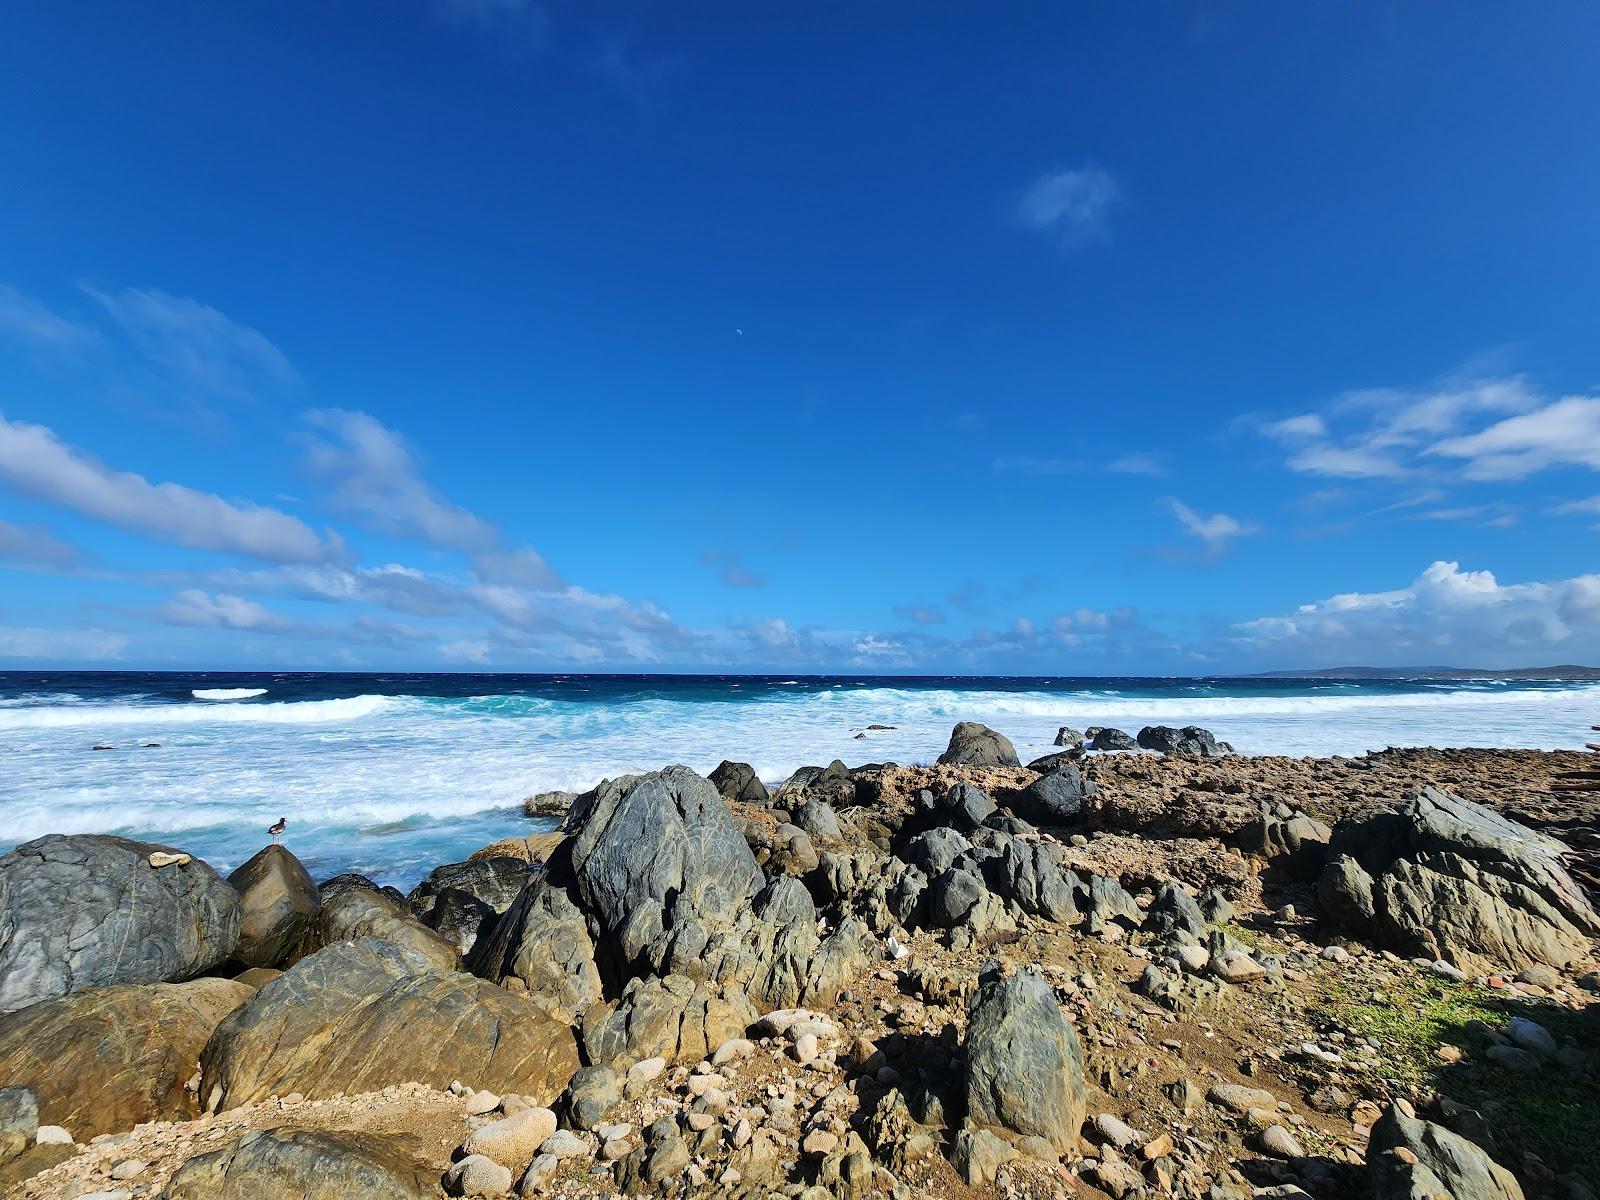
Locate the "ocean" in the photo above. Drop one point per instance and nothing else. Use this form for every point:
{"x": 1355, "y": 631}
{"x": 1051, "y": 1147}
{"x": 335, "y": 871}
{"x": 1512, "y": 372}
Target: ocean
{"x": 392, "y": 774}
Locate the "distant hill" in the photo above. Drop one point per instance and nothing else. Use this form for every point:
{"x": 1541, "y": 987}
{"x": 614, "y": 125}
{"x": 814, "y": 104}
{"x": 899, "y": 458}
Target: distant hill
{"x": 1562, "y": 673}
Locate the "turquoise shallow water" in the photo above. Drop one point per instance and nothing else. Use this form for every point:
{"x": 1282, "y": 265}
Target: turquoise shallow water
{"x": 391, "y": 774}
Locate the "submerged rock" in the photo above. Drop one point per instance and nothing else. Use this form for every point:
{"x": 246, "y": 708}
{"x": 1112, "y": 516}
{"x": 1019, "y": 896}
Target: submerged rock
{"x": 86, "y": 911}
{"x": 104, "y": 1060}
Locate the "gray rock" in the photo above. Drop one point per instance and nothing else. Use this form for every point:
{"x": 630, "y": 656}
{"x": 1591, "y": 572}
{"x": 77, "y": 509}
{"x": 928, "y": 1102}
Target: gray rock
{"x": 477, "y": 1175}
{"x": 642, "y": 848}
{"x": 975, "y": 745}
{"x": 936, "y": 850}
{"x": 1112, "y": 739}
{"x": 361, "y": 1016}
{"x": 1024, "y": 1063}
{"x": 496, "y": 882}
{"x": 1531, "y": 1036}
{"x": 593, "y": 1092}
{"x": 460, "y": 918}
{"x": 979, "y": 1155}
{"x": 1055, "y": 799}
{"x": 285, "y": 1164}
{"x": 1068, "y": 736}
{"x": 1175, "y": 912}
{"x": 1280, "y": 1143}
{"x": 277, "y": 903}
{"x": 543, "y": 940}
{"x": 817, "y": 818}
{"x": 19, "y": 1121}
{"x": 670, "y": 1017}
{"x": 1436, "y": 1163}
{"x": 87, "y": 911}
{"x": 1191, "y": 739}
{"x": 963, "y": 807}
{"x": 736, "y": 781}
{"x": 356, "y": 913}
{"x": 1442, "y": 878}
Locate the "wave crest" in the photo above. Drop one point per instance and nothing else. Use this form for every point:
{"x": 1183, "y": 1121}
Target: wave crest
{"x": 227, "y": 693}
{"x": 289, "y": 712}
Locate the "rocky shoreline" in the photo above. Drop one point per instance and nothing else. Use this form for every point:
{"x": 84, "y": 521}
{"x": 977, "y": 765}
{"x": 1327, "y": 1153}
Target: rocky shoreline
{"x": 1177, "y": 972}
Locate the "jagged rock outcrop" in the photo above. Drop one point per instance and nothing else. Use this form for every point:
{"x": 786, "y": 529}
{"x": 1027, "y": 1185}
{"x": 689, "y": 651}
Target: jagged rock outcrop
{"x": 363, "y": 1015}
{"x": 86, "y": 911}
{"x": 542, "y": 943}
{"x": 106, "y": 1059}
{"x": 461, "y": 901}
{"x": 294, "y": 1164}
{"x": 1444, "y": 878}
{"x": 277, "y": 903}
{"x": 1412, "y": 1159}
{"x": 1024, "y": 1064}
{"x": 975, "y": 745}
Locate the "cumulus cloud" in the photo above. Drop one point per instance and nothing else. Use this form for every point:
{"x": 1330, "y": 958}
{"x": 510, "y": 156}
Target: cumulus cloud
{"x": 195, "y": 344}
{"x": 35, "y": 462}
{"x": 62, "y": 645}
{"x": 1444, "y": 615}
{"x": 1069, "y": 205}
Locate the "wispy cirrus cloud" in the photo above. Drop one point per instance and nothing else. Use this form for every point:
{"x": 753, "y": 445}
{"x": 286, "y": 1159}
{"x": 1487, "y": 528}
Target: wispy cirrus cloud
{"x": 1069, "y": 205}
{"x": 200, "y": 348}
{"x": 34, "y": 326}
{"x": 36, "y": 463}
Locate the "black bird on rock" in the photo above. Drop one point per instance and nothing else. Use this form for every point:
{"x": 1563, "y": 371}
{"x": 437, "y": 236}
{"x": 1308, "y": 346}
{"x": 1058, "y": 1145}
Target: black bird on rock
{"x": 277, "y": 827}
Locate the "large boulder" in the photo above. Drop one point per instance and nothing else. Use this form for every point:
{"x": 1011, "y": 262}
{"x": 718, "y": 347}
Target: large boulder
{"x": 277, "y": 903}
{"x": 1191, "y": 739}
{"x": 494, "y": 881}
{"x": 975, "y": 745}
{"x": 1443, "y": 878}
{"x": 1412, "y": 1159}
{"x": 1112, "y": 739}
{"x": 86, "y": 911}
{"x": 1054, "y": 799}
{"x": 542, "y": 943}
{"x": 363, "y": 912}
{"x": 1024, "y": 1064}
{"x": 649, "y": 851}
{"x": 302, "y": 1164}
{"x": 361, "y": 1016}
{"x": 104, "y": 1060}
{"x": 737, "y": 781}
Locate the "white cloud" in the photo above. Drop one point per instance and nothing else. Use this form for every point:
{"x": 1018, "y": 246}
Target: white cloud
{"x": 1214, "y": 529}
{"x": 34, "y": 462}
{"x": 1563, "y": 433}
{"x": 373, "y": 475}
{"x": 27, "y": 544}
{"x": 62, "y": 645}
{"x": 29, "y": 323}
{"x": 1445, "y": 616}
{"x": 1138, "y": 464}
{"x": 204, "y": 610}
{"x": 1070, "y": 205}
{"x": 1392, "y": 433}
{"x": 197, "y": 345}
{"x": 470, "y": 651}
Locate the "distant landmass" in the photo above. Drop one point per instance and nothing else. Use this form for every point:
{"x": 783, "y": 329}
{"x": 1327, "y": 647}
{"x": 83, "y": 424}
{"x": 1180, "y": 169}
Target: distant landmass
{"x": 1563, "y": 673}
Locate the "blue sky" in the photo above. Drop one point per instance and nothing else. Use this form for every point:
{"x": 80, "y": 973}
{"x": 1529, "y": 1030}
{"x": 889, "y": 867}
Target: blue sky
{"x": 467, "y": 334}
